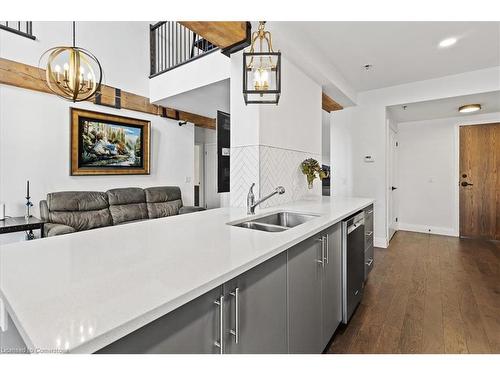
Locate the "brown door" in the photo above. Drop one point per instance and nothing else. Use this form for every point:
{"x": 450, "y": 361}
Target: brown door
{"x": 480, "y": 181}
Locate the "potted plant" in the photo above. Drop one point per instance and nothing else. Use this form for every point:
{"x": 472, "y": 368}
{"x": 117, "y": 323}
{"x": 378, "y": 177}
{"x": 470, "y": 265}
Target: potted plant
{"x": 312, "y": 170}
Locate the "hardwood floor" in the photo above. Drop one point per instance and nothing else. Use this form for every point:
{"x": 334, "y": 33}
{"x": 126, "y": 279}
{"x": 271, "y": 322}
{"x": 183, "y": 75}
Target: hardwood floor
{"x": 428, "y": 294}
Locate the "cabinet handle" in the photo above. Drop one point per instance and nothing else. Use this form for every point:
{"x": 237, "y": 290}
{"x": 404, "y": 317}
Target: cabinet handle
{"x": 369, "y": 233}
{"x": 220, "y": 343}
{"x": 236, "y": 331}
{"x": 322, "y": 261}
{"x": 327, "y": 246}
{"x": 370, "y": 262}
{"x": 370, "y": 212}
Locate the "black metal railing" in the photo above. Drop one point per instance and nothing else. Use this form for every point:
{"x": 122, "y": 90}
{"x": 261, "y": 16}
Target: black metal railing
{"x": 23, "y": 28}
{"x": 172, "y": 45}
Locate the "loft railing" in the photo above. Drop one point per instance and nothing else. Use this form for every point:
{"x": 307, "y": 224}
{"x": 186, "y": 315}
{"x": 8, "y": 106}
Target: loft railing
{"x": 23, "y": 28}
{"x": 172, "y": 45}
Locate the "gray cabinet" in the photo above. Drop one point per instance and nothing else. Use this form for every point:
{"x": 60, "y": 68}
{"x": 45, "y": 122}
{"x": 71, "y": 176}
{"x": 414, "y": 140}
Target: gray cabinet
{"x": 332, "y": 283}
{"x": 305, "y": 276}
{"x": 192, "y": 329}
{"x": 256, "y": 310}
{"x": 314, "y": 291}
{"x": 369, "y": 256}
{"x": 290, "y": 303}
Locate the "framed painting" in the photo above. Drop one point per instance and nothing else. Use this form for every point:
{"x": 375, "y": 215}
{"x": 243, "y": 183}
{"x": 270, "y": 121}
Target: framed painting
{"x": 104, "y": 144}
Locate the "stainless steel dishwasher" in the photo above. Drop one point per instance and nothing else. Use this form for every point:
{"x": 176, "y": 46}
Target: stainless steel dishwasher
{"x": 353, "y": 264}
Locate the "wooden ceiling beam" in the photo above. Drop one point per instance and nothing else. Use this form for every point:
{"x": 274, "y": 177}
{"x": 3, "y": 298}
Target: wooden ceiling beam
{"x": 328, "y": 104}
{"x": 29, "y": 77}
{"x": 222, "y": 34}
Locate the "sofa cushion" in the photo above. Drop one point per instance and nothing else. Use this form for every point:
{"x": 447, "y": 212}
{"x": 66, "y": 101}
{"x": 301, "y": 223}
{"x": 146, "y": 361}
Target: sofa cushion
{"x": 127, "y": 204}
{"x": 163, "y": 201}
{"x": 51, "y": 229}
{"x": 81, "y": 210}
{"x": 77, "y": 201}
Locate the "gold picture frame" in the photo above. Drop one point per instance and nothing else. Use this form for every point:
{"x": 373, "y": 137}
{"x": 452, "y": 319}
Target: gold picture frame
{"x": 105, "y": 144}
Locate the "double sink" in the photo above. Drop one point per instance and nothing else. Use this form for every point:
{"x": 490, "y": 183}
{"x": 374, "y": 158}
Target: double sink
{"x": 276, "y": 222}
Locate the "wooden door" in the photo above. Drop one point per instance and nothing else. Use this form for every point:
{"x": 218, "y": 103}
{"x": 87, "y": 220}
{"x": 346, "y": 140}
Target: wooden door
{"x": 480, "y": 181}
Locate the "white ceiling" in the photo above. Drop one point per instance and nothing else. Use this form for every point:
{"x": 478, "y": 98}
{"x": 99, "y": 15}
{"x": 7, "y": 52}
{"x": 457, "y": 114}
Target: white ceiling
{"x": 448, "y": 107}
{"x": 400, "y": 52}
{"x": 205, "y": 101}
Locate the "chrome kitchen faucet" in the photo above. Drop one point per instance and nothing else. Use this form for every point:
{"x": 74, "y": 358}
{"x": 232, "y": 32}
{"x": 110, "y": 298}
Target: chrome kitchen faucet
{"x": 251, "y": 203}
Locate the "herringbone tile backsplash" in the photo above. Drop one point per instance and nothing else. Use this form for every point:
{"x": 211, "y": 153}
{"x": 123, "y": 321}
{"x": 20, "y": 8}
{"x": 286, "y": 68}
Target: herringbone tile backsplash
{"x": 269, "y": 167}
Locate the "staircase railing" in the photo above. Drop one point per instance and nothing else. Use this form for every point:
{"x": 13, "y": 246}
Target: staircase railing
{"x": 172, "y": 45}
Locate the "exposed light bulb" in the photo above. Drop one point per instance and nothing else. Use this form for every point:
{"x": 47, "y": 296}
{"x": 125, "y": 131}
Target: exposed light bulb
{"x": 66, "y": 66}
{"x": 261, "y": 79}
{"x": 57, "y": 69}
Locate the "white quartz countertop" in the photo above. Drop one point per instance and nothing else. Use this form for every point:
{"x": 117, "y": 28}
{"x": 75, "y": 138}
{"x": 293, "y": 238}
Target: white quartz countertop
{"x": 82, "y": 291}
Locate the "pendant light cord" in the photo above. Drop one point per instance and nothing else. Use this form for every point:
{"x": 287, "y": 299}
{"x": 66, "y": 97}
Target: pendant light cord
{"x": 74, "y": 33}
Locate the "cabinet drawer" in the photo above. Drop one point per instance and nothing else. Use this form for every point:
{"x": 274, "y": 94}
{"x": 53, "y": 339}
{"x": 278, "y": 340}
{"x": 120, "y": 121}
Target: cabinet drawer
{"x": 368, "y": 211}
{"x": 369, "y": 260}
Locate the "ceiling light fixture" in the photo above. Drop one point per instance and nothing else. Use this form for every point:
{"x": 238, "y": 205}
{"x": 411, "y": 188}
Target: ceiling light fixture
{"x": 71, "y": 73}
{"x": 469, "y": 108}
{"x": 448, "y": 42}
{"x": 261, "y": 70}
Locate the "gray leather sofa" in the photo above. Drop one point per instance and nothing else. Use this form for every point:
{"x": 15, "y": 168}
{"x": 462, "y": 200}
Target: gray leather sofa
{"x": 73, "y": 211}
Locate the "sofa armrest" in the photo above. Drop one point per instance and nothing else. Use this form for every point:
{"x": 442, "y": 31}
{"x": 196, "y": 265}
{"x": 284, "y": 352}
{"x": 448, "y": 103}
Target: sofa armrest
{"x": 51, "y": 229}
{"x": 189, "y": 209}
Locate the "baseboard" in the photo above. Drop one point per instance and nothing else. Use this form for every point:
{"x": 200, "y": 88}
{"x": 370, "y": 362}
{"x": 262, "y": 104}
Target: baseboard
{"x": 380, "y": 242}
{"x": 427, "y": 229}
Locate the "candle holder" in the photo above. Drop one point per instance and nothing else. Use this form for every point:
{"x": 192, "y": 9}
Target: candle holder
{"x": 28, "y": 208}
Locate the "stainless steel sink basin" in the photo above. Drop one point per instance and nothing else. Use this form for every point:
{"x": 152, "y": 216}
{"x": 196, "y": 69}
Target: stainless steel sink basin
{"x": 285, "y": 219}
{"x": 276, "y": 222}
{"x": 258, "y": 226}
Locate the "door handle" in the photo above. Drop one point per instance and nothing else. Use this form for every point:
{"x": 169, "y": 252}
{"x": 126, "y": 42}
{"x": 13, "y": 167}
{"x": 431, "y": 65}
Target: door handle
{"x": 465, "y": 183}
{"x": 220, "y": 343}
{"x": 393, "y": 187}
{"x": 370, "y": 262}
{"x": 236, "y": 331}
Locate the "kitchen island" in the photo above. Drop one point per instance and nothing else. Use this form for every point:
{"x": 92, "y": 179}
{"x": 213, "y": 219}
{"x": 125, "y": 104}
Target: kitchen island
{"x": 79, "y": 293}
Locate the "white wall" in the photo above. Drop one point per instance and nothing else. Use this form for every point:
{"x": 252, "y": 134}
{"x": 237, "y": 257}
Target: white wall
{"x": 214, "y": 67}
{"x": 325, "y": 137}
{"x": 295, "y": 123}
{"x": 369, "y": 130}
{"x": 428, "y": 173}
{"x": 269, "y": 142}
{"x": 341, "y": 153}
{"x": 35, "y": 127}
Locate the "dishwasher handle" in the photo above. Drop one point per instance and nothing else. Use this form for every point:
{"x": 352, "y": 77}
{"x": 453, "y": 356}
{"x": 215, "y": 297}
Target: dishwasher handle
{"x": 355, "y": 225}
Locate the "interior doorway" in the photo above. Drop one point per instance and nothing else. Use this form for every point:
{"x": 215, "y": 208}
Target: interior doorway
{"x": 479, "y": 181}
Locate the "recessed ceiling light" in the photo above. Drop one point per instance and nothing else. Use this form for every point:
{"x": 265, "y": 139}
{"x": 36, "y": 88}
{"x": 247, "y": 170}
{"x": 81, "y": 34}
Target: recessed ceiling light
{"x": 469, "y": 108}
{"x": 448, "y": 42}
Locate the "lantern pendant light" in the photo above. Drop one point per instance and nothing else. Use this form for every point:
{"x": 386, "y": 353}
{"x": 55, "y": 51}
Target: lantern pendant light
{"x": 71, "y": 73}
{"x": 261, "y": 70}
